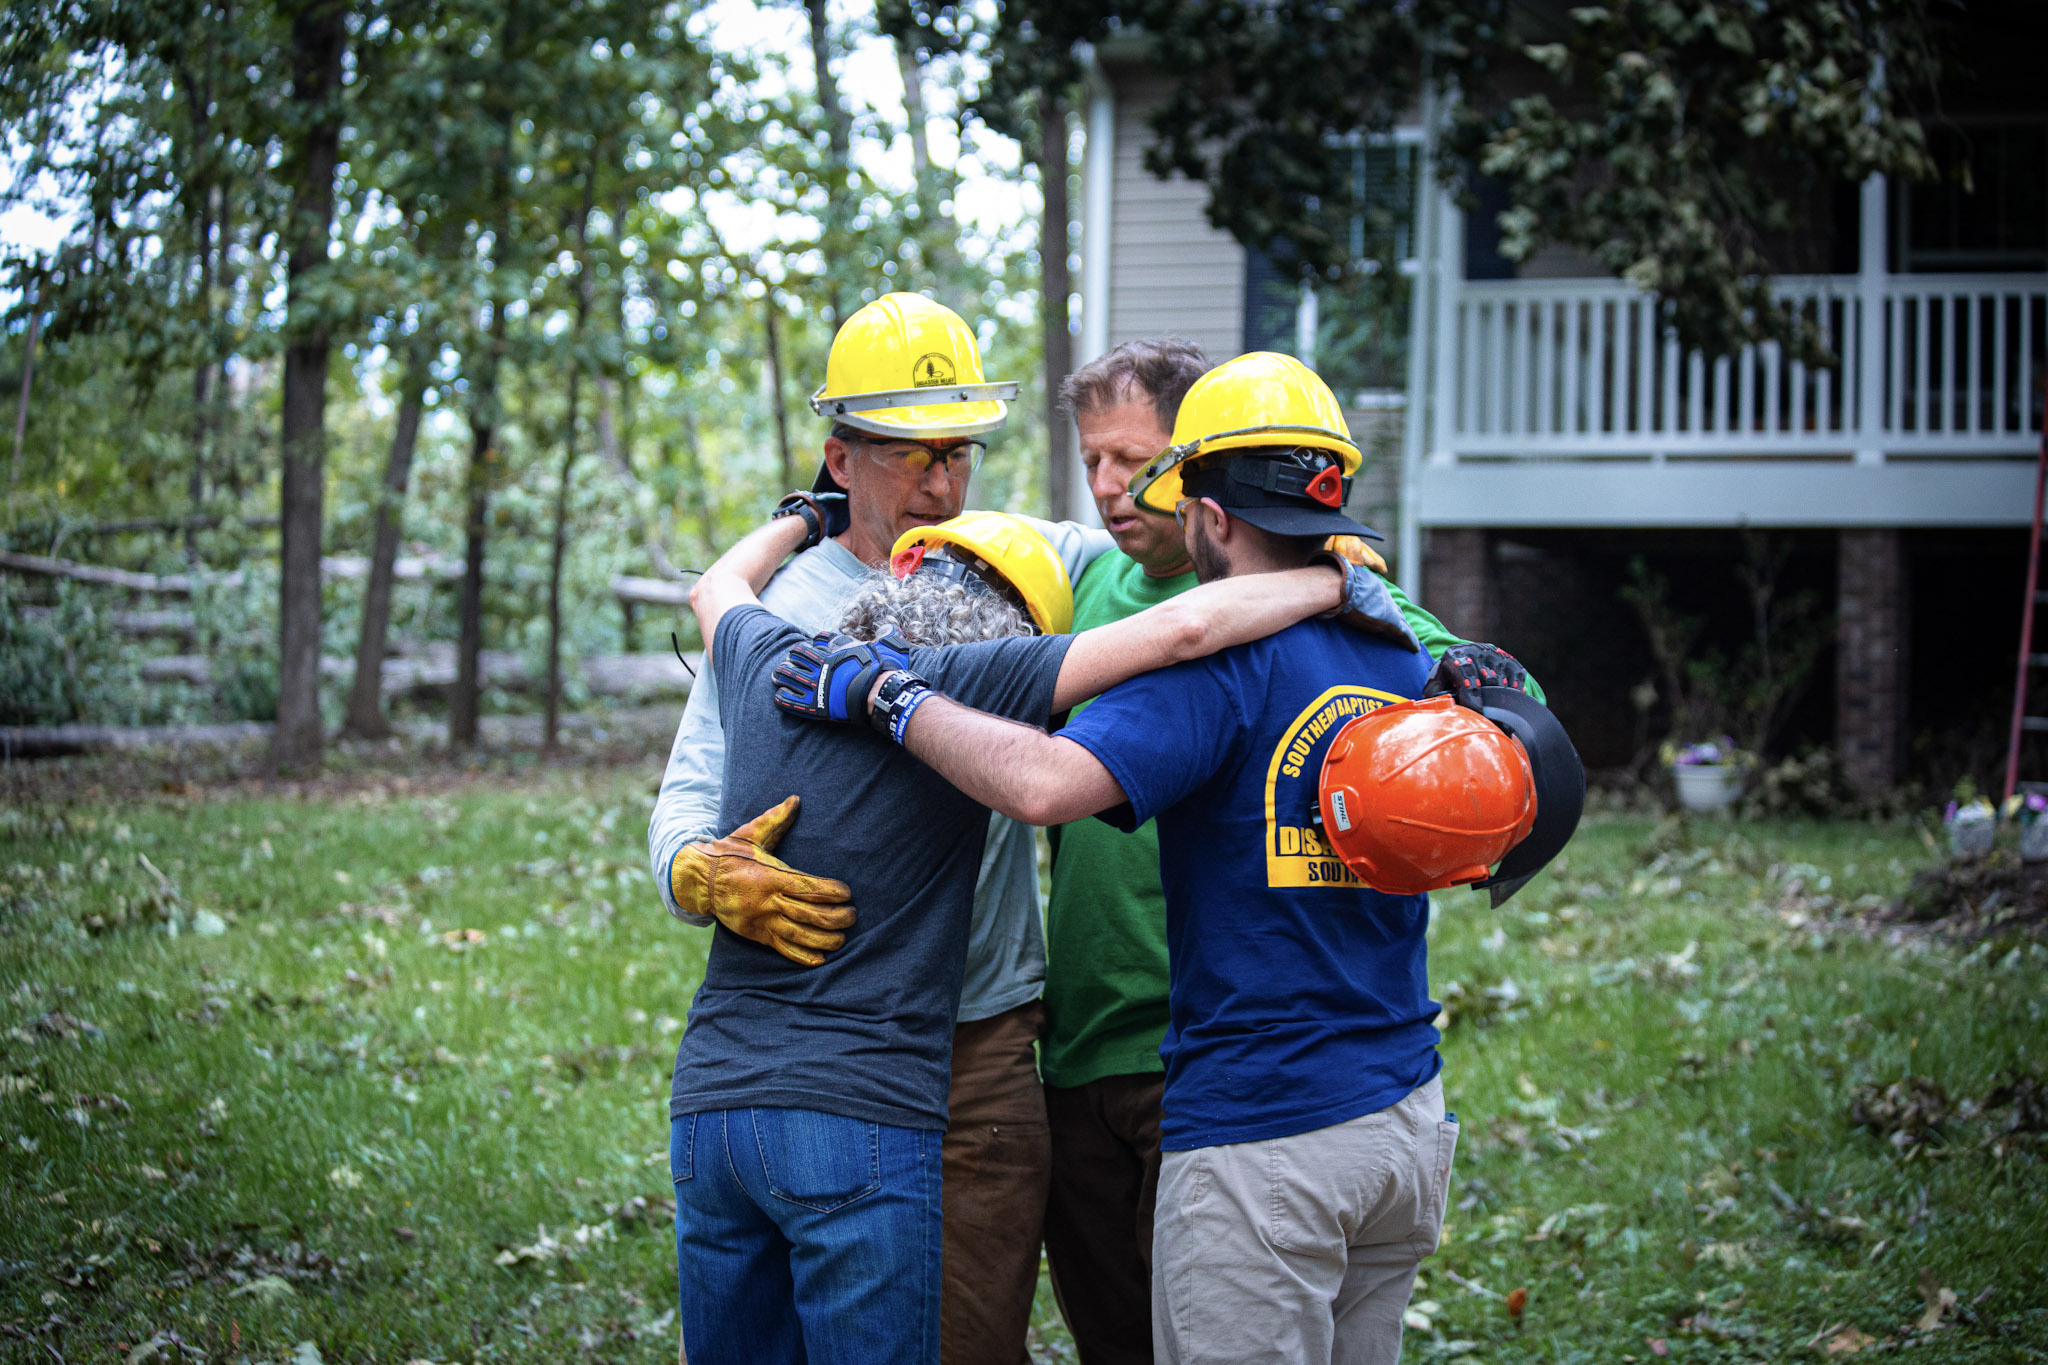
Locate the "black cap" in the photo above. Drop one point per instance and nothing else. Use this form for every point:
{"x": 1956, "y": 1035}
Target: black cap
{"x": 1287, "y": 491}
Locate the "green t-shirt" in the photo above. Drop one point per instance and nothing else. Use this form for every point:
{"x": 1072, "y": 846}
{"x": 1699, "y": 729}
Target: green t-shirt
{"x": 1105, "y": 923}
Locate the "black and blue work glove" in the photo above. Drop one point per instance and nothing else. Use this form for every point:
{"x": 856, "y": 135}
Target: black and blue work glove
{"x": 1466, "y": 668}
{"x": 825, "y": 515}
{"x": 1367, "y": 605}
{"x": 829, "y": 676}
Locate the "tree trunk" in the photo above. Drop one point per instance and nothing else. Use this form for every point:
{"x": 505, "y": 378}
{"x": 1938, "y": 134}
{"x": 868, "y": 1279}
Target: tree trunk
{"x": 935, "y": 237}
{"x": 769, "y": 311}
{"x": 319, "y": 35}
{"x": 464, "y": 700}
{"x": 28, "y": 375}
{"x": 366, "y": 699}
{"x": 839, "y": 133}
{"x": 555, "y": 555}
{"x": 1059, "y": 343}
{"x": 561, "y": 537}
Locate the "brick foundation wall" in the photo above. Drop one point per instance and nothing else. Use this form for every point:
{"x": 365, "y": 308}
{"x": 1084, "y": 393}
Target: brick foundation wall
{"x": 1457, "y": 579}
{"x": 1870, "y": 660}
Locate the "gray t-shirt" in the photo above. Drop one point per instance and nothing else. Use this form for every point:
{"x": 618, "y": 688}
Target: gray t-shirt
{"x": 868, "y": 1035}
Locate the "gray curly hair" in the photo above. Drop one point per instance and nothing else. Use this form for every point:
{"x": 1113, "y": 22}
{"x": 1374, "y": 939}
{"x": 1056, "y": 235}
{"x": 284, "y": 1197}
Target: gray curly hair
{"x": 928, "y": 610}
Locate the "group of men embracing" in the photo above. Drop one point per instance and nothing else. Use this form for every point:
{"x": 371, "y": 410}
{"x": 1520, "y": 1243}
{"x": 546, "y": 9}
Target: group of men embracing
{"x": 1206, "y": 1081}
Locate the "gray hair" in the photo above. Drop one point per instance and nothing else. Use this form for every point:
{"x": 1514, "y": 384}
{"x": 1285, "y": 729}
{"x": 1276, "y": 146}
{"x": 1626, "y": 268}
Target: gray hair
{"x": 928, "y": 610}
{"x": 1156, "y": 370}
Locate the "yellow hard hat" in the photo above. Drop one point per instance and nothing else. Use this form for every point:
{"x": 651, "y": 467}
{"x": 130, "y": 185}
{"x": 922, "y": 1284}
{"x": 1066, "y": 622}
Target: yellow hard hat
{"x": 906, "y": 366}
{"x": 1259, "y": 400}
{"x": 1005, "y": 552}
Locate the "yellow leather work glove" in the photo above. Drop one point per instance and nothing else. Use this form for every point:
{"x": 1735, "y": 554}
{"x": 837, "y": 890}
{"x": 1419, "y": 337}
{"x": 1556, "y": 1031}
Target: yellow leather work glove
{"x": 739, "y": 882}
{"x": 1355, "y": 550}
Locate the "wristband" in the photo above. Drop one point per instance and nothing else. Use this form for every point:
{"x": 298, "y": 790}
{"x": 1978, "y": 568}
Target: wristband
{"x": 802, "y": 505}
{"x": 896, "y": 700}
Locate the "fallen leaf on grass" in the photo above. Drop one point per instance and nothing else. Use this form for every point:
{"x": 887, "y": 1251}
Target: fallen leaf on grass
{"x": 62, "y": 1027}
{"x": 207, "y": 924}
{"x": 268, "y": 1288}
{"x": 1518, "y": 1301}
{"x": 1658, "y": 1346}
{"x": 1941, "y": 1302}
{"x": 1841, "y": 1340}
{"x": 345, "y": 1177}
{"x": 546, "y": 1248}
{"x": 1905, "y": 1113}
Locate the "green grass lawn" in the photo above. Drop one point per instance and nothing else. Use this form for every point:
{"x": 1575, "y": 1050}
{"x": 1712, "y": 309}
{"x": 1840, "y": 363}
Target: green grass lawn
{"x": 396, "y": 1088}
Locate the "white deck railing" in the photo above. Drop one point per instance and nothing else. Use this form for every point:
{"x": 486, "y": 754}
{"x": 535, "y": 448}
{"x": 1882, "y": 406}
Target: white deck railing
{"x": 1580, "y": 368}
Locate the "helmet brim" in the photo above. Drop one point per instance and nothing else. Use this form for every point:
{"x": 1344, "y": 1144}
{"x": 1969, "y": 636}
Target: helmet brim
{"x": 1560, "y": 787}
{"x": 933, "y": 422}
{"x": 1303, "y": 521}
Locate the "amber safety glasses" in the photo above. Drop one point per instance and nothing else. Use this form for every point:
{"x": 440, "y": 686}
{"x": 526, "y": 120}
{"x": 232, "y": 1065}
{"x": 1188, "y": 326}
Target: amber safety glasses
{"x": 915, "y": 457}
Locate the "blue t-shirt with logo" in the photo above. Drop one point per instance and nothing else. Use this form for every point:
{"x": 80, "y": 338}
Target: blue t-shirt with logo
{"x": 1299, "y": 998}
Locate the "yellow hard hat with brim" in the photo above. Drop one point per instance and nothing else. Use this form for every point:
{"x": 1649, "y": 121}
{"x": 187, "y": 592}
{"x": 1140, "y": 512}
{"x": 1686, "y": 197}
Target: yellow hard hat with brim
{"x": 1006, "y": 554}
{"x": 905, "y": 366}
{"x": 1258, "y": 401}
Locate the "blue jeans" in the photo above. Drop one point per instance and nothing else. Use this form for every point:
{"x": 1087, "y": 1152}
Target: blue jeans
{"x": 806, "y": 1237}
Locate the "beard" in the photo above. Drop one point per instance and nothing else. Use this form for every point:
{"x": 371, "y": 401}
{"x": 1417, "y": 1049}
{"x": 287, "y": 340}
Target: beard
{"x": 1208, "y": 560}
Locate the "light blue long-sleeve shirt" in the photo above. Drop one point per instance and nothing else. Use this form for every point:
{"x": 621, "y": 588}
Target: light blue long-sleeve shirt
{"x": 1006, "y": 943}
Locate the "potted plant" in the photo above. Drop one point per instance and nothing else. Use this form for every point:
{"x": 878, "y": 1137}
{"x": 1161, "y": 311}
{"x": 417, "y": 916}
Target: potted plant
{"x": 1971, "y": 827}
{"x": 1708, "y": 774}
{"x": 2030, "y": 813}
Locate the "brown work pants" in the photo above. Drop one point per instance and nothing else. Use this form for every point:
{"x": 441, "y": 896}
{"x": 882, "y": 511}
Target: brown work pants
{"x": 995, "y": 1162}
{"x": 1098, "y": 1221}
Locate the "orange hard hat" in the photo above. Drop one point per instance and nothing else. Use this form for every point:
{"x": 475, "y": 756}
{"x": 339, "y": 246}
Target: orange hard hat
{"x": 1422, "y": 795}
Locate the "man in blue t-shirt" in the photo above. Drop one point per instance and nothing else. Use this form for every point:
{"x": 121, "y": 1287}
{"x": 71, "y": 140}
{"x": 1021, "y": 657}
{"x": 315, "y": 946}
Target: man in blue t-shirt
{"x": 1307, "y": 1152}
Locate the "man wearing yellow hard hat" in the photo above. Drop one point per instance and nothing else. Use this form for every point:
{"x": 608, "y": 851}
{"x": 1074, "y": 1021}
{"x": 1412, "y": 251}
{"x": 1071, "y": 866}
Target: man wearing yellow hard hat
{"x": 1106, "y": 958}
{"x": 908, "y": 408}
{"x": 1306, "y": 1150}
{"x": 809, "y": 1100}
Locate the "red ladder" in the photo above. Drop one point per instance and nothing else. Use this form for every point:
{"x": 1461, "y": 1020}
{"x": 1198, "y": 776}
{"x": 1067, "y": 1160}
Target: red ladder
{"x": 2022, "y": 723}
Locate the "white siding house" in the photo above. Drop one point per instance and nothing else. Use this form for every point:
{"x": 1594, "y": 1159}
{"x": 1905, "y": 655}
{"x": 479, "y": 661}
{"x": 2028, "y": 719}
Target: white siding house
{"x": 1540, "y": 403}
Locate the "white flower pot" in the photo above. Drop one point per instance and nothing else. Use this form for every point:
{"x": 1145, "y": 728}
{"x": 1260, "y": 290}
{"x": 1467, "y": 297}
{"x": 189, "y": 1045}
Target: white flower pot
{"x": 1971, "y": 838}
{"x": 1707, "y": 786}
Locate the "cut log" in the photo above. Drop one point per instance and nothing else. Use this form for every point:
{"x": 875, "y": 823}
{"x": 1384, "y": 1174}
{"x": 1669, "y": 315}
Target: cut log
{"x": 651, "y": 592}
{"x": 145, "y": 623}
{"x": 55, "y": 741}
{"x": 640, "y": 675}
{"x": 185, "y": 584}
{"x": 196, "y": 669}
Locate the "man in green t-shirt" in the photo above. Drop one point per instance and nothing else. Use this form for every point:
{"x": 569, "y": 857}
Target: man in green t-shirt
{"x": 1105, "y": 939}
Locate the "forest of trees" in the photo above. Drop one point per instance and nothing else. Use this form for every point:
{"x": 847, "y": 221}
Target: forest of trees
{"x": 532, "y": 294}
{"x": 449, "y": 279}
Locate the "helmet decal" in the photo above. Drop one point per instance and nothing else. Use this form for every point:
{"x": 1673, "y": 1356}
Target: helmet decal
{"x": 934, "y": 369}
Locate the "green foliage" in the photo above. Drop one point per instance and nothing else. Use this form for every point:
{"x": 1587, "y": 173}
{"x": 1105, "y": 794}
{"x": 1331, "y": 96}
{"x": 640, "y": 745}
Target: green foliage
{"x": 66, "y": 665}
{"x": 1748, "y": 696}
{"x": 1673, "y": 144}
{"x": 529, "y": 193}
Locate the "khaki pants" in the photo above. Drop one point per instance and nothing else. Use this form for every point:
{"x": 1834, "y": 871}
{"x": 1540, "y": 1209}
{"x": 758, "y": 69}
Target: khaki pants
{"x": 1098, "y": 1223}
{"x": 1300, "y": 1250}
{"x": 995, "y": 1163}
